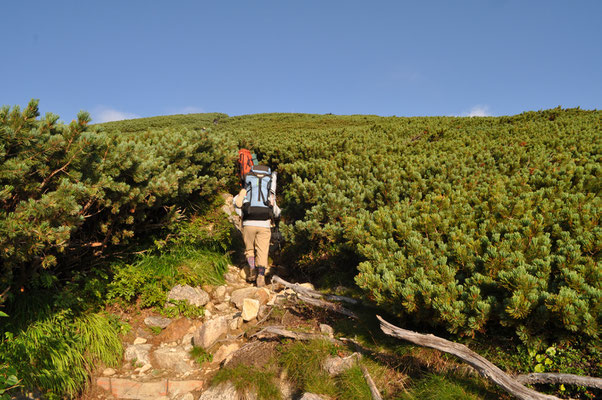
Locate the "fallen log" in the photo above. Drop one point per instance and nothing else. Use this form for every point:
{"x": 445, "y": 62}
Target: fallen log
{"x": 327, "y": 305}
{"x": 314, "y": 298}
{"x": 273, "y": 331}
{"x": 481, "y": 364}
{"x": 313, "y": 293}
{"x": 556, "y": 379}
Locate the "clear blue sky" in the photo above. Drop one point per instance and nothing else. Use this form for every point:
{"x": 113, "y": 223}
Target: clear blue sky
{"x": 129, "y": 58}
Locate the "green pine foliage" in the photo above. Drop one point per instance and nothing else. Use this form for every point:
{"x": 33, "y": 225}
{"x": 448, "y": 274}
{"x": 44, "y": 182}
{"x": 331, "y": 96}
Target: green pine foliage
{"x": 463, "y": 223}
{"x": 68, "y": 192}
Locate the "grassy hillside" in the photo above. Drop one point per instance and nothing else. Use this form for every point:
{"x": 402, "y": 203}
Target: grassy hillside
{"x": 485, "y": 230}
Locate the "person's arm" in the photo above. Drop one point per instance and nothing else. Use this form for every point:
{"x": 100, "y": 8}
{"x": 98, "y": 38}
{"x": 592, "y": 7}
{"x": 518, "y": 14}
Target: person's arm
{"x": 236, "y": 202}
{"x": 276, "y": 211}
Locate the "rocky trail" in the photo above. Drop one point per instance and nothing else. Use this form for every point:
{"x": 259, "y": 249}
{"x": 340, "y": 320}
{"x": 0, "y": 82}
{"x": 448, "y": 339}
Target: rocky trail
{"x": 158, "y": 358}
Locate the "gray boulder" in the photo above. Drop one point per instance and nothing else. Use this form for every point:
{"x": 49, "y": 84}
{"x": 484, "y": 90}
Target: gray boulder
{"x": 195, "y": 296}
{"x": 210, "y": 331}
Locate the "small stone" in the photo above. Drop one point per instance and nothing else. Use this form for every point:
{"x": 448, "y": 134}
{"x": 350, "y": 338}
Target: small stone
{"x": 327, "y": 330}
{"x": 250, "y": 308}
{"x": 157, "y": 321}
{"x": 139, "y": 340}
{"x": 219, "y": 292}
{"x": 109, "y": 372}
{"x": 208, "y": 314}
{"x": 221, "y": 307}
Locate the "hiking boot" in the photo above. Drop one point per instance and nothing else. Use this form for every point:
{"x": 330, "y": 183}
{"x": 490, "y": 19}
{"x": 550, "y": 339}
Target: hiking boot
{"x": 260, "y": 281}
{"x": 252, "y": 275}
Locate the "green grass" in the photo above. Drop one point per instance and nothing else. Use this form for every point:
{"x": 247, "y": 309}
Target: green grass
{"x": 244, "y": 378}
{"x": 57, "y": 354}
{"x": 303, "y": 363}
{"x": 436, "y": 387}
{"x": 200, "y": 355}
{"x": 152, "y": 276}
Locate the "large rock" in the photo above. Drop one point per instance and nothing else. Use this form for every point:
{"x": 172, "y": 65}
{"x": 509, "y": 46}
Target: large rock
{"x": 161, "y": 322}
{"x": 261, "y": 294}
{"x": 226, "y": 391}
{"x": 195, "y": 296}
{"x": 173, "y": 359}
{"x": 224, "y": 351}
{"x": 336, "y": 365}
{"x": 138, "y": 353}
{"x": 250, "y": 308}
{"x": 210, "y": 331}
{"x": 175, "y": 331}
{"x": 239, "y": 295}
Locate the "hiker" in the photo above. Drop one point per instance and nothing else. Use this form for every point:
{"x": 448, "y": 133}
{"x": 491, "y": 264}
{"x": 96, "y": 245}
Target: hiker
{"x": 256, "y": 205}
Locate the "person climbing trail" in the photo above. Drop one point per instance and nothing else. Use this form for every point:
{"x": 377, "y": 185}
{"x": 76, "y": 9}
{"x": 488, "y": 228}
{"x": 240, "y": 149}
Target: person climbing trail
{"x": 256, "y": 205}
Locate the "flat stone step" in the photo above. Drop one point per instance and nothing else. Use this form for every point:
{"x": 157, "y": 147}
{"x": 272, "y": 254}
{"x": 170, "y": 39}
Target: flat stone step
{"x": 162, "y": 389}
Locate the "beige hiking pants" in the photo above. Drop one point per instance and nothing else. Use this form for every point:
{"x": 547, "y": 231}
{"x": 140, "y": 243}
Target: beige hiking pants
{"x": 257, "y": 243}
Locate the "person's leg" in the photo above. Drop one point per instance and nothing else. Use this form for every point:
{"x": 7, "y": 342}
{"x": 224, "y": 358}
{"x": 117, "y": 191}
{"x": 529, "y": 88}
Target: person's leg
{"x": 262, "y": 247}
{"x": 249, "y": 233}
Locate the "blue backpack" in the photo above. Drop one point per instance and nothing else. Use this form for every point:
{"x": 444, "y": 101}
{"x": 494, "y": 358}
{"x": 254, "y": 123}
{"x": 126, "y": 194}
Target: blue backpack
{"x": 256, "y": 205}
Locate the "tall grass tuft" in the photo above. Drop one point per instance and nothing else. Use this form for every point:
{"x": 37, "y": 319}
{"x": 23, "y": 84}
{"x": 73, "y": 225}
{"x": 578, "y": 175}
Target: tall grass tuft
{"x": 57, "y": 353}
{"x": 303, "y": 363}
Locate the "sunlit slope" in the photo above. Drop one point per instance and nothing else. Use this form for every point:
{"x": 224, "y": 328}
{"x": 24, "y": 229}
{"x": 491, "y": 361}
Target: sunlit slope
{"x": 465, "y": 223}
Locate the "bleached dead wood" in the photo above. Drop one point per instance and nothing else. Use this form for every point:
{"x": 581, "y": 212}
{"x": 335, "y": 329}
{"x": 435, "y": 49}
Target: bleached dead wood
{"x": 566, "y": 379}
{"x": 481, "y": 364}
{"x": 273, "y": 331}
{"x": 314, "y": 298}
{"x": 313, "y": 293}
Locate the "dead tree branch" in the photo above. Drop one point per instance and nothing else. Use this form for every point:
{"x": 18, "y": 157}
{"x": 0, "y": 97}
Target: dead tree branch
{"x": 373, "y": 389}
{"x": 274, "y": 331}
{"x": 566, "y": 379}
{"x": 314, "y": 298}
{"x": 313, "y": 293}
{"x": 481, "y": 364}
